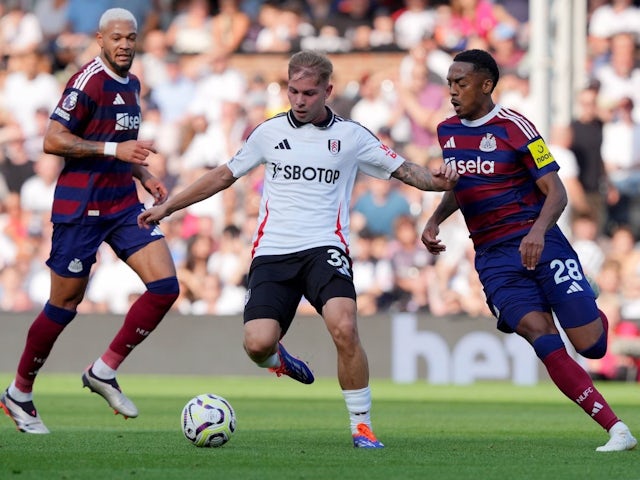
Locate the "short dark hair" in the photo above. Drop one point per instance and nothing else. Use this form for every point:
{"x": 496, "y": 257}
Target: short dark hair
{"x": 481, "y": 61}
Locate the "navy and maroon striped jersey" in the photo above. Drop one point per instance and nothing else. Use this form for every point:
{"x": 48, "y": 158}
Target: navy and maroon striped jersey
{"x": 499, "y": 158}
{"x": 97, "y": 105}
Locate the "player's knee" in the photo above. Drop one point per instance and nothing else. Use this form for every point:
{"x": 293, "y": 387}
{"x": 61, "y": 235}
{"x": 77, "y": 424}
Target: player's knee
{"x": 597, "y": 350}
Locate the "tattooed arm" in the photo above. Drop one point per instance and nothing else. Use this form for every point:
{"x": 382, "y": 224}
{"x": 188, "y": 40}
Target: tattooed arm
{"x": 58, "y": 140}
{"x": 422, "y": 178}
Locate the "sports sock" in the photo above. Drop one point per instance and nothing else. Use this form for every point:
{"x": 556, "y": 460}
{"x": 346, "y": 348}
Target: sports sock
{"x": 42, "y": 335}
{"x": 272, "y": 362}
{"x": 359, "y": 406}
{"x": 575, "y": 383}
{"x": 102, "y": 370}
{"x": 17, "y": 395}
{"x": 142, "y": 318}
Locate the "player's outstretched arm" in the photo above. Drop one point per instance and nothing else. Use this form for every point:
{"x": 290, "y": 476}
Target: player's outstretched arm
{"x": 204, "y": 187}
{"x": 58, "y": 140}
{"x": 443, "y": 178}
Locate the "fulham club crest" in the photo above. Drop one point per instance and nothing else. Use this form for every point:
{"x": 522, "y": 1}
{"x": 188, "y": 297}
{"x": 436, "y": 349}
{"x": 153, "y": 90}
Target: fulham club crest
{"x": 334, "y": 146}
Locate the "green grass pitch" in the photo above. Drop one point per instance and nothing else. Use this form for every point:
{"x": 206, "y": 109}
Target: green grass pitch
{"x": 291, "y": 431}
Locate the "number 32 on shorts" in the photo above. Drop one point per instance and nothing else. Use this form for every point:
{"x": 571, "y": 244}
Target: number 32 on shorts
{"x": 339, "y": 260}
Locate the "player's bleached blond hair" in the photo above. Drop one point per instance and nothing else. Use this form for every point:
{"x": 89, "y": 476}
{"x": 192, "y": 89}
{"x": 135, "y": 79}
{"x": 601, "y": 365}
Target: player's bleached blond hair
{"x": 113, "y": 14}
{"x": 307, "y": 62}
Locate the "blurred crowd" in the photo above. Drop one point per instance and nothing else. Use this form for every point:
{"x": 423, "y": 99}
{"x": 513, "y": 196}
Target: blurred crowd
{"x": 199, "y": 109}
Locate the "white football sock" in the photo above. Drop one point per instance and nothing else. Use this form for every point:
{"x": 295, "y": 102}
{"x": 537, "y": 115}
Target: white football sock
{"x": 17, "y": 395}
{"x": 359, "y": 405}
{"x": 272, "y": 362}
{"x": 102, "y": 370}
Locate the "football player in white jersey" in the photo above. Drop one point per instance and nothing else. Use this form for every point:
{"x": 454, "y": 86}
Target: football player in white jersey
{"x": 301, "y": 247}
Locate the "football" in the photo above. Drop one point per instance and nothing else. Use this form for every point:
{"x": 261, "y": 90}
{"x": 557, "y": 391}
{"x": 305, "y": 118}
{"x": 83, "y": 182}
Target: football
{"x": 208, "y": 420}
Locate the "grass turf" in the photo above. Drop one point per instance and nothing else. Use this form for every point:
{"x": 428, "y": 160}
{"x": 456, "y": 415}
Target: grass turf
{"x": 291, "y": 431}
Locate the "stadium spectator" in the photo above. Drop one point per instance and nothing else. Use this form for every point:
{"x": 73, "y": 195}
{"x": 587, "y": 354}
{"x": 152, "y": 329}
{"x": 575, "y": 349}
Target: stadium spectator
{"x": 429, "y": 53}
{"x": 14, "y": 229}
{"x": 373, "y": 108}
{"x": 231, "y": 259}
{"x": 607, "y": 20}
{"x": 112, "y": 286}
{"x": 82, "y": 18}
{"x": 200, "y": 246}
{"x": 528, "y": 269}
{"x": 52, "y": 17}
{"x": 623, "y": 248}
{"x": 413, "y": 22}
{"x": 282, "y": 27}
{"x": 586, "y": 241}
{"x": 504, "y": 46}
{"x": 621, "y": 157}
{"x": 422, "y": 100}
{"x": 20, "y": 30}
{"x": 619, "y": 77}
{"x": 559, "y": 143}
{"x": 16, "y": 166}
{"x": 409, "y": 262}
{"x": 378, "y": 207}
{"x": 218, "y": 298}
{"x": 153, "y": 58}
{"x": 372, "y": 273}
{"x": 382, "y": 36}
{"x": 218, "y": 92}
{"x": 586, "y": 131}
{"x": 353, "y": 21}
{"x": 30, "y": 86}
{"x": 300, "y": 247}
{"x": 327, "y": 38}
{"x": 146, "y": 12}
{"x": 514, "y": 92}
{"x": 230, "y": 26}
{"x": 13, "y": 291}
{"x": 171, "y": 97}
{"x": 94, "y": 202}
{"x": 189, "y": 32}
{"x": 464, "y": 21}
{"x": 37, "y": 192}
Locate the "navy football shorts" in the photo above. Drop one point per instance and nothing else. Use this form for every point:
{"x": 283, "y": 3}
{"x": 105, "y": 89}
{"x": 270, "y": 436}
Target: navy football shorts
{"x": 74, "y": 246}
{"x": 557, "y": 284}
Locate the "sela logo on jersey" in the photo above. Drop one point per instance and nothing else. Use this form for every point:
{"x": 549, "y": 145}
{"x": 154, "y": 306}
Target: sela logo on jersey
{"x": 124, "y": 121}
{"x": 485, "y": 167}
{"x": 540, "y": 153}
{"x": 309, "y": 174}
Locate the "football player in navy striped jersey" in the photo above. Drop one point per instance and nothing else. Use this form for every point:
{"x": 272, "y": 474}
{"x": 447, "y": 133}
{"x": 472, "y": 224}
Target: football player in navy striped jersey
{"x": 511, "y": 196}
{"x": 301, "y": 247}
{"x": 95, "y": 128}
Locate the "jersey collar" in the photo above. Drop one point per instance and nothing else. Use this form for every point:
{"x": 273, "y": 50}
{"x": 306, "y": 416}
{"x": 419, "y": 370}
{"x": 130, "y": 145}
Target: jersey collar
{"x": 111, "y": 73}
{"x": 326, "y": 123}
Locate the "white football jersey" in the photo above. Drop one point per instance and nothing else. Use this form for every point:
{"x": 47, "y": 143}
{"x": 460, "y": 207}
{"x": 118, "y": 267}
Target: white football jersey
{"x": 310, "y": 171}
